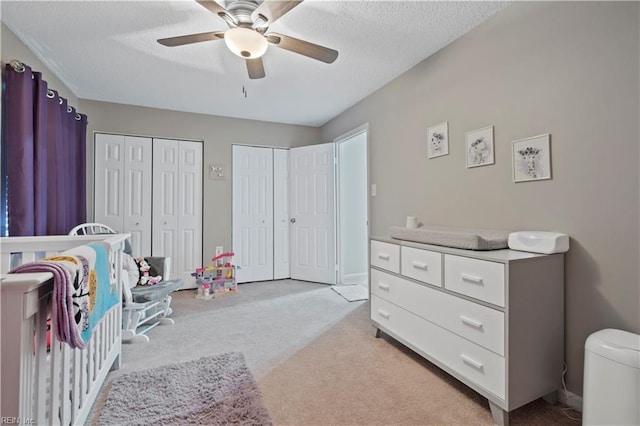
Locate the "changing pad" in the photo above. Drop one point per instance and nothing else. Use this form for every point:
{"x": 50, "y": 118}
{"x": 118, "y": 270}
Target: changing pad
{"x": 470, "y": 239}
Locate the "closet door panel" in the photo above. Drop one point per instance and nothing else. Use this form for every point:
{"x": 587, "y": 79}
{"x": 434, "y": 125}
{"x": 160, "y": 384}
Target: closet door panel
{"x": 190, "y": 211}
{"x": 281, "y": 214}
{"x": 109, "y": 180}
{"x": 253, "y": 212}
{"x": 137, "y": 193}
{"x": 242, "y": 223}
{"x": 165, "y": 200}
{"x": 262, "y": 212}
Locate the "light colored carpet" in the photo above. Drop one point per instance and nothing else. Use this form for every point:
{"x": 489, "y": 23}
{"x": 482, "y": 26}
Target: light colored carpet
{"x": 352, "y": 293}
{"x": 218, "y": 390}
{"x": 348, "y": 377}
{"x": 266, "y": 330}
{"x": 316, "y": 361}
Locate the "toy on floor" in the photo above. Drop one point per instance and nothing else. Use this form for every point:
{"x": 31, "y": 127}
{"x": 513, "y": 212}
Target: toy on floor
{"x": 217, "y": 278}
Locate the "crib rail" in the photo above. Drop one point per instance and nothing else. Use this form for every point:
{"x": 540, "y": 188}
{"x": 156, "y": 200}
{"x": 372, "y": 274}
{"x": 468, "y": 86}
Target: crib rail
{"x": 50, "y": 384}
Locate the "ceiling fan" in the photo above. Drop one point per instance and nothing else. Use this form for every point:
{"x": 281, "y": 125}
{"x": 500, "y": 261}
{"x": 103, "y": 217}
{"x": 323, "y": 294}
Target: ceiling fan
{"x": 247, "y": 36}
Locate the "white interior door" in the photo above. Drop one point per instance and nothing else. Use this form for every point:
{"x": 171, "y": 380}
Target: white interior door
{"x": 312, "y": 211}
{"x": 189, "y": 212}
{"x": 177, "y": 206}
{"x": 252, "y": 204}
{"x": 281, "y": 268}
{"x": 137, "y": 193}
{"x": 166, "y": 160}
{"x": 109, "y": 180}
{"x": 123, "y": 187}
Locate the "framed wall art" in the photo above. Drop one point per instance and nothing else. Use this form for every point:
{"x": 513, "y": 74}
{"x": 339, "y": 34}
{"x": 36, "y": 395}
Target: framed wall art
{"x": 532, "y": 158}
{"x": 480, "y": 147}
{"x": 438, "y": 143}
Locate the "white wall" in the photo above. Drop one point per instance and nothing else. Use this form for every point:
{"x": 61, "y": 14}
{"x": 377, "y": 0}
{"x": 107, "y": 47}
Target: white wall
{"x": 570, "y": 69}
{"x": 352, "y": 154}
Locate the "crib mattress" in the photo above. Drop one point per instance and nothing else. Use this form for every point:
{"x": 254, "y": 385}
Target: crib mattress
{"x": 463, "y": 238}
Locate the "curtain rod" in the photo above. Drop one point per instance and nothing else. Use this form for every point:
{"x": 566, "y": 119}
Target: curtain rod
{"x": 19, "y": 67}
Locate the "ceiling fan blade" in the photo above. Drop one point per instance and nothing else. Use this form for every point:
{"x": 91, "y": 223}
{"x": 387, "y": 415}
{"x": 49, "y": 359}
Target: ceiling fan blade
{"x": 255, "y": 68}
{"x": 191, "y": 38}
{"x": 302, "y": 47}
{"x": 214, "y": 7}
{"x": 270, "y": 10}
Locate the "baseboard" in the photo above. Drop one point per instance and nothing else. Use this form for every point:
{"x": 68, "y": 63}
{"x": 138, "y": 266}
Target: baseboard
{"x": 360, "y": 279}
{"x": 570, "y": 399}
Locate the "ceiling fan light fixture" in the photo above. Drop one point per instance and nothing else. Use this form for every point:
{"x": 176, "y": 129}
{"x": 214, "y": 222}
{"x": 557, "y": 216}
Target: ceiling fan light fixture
{"x": 245, "y": 42}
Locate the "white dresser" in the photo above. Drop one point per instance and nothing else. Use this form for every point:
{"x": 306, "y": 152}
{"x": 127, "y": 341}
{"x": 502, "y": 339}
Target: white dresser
{"x": 492, "y": 319}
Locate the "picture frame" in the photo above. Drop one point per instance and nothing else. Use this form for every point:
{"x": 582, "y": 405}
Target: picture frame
{"x": 438, "y": 140}
{"x": 480, "y": 147}
{"x": 532, "y": 158}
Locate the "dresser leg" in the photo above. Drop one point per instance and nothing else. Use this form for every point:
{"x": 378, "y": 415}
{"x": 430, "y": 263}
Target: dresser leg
{"x": 378, "y": 333}
{"x": 500, "y": 417}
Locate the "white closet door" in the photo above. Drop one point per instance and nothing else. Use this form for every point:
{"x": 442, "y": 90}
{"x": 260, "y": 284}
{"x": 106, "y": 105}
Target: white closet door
{"x": 137, "y": 193}
{"x": 252, "y": 229}
{"x": 313, "y": 251}
{"x": 122, "y": 190}
{"x": 109, "y": 180}
{"x": 166, "y": 160}
{"x": 281, "y": 214}
{"x": 177, "y": 206}
{"x": 189, "y": 212}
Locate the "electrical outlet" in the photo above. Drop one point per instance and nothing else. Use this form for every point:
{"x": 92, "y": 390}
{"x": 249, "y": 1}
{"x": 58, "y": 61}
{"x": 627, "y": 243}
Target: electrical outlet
{"x": 219, "y": 250}
{"x": 374, "y": 189}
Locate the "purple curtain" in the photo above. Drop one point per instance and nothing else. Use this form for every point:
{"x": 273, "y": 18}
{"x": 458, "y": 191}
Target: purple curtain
{"x": 45, "y": 147}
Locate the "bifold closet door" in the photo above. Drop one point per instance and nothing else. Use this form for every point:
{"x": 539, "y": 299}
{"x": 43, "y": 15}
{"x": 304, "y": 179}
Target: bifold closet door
{"x": 252, "y": 206}
{"x": 177, "y": 200}
{"x": 281, "y": 214}
{"x": 122, "y": 190}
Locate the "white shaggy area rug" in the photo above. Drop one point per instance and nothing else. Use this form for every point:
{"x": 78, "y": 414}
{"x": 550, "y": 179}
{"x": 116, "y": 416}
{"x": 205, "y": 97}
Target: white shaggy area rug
{"x": 352, "y": 293}
{"x": 215, "y": 390}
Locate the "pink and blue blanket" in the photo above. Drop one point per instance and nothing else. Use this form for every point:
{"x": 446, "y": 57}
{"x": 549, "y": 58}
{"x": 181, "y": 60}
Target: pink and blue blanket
{"x": 82, "y": 290}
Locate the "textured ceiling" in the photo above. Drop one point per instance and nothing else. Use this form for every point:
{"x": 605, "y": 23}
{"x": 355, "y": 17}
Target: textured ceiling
{"x": 107, "y": 51}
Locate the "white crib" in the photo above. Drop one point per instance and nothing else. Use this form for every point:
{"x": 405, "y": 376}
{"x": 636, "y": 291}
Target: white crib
{"x": 57, "y": 386}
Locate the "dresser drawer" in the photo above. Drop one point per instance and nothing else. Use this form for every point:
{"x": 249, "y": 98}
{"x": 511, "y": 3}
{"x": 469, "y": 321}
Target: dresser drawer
{"x": 423, "y": 265}
{"x": 479, "y": 279}
{"x": 385, "y": 256}
{"x": 480, "y": 324}
{"x": 465, "y": 358}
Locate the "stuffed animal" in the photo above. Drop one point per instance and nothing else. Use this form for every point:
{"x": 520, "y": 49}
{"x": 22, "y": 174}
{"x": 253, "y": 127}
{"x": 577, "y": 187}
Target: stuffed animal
{"x": 144, "y": 277}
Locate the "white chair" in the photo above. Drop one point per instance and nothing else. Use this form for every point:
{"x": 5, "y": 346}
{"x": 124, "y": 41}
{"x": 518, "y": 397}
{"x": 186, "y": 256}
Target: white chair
{"x": 144, "y": 307}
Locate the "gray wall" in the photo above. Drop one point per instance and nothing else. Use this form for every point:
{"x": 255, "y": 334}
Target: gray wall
{"x": 218, "y": 134}
{"x": 568, "y": 69}
{"x": 13, "y": 48}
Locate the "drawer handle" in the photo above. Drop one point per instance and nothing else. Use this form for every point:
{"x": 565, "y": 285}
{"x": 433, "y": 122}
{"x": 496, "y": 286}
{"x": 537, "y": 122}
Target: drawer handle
{"x": 384, "y": 287}
{"x": 383, "y": 256}
{"x": 472, "y": 323}
{"x": 471, "y": 278}
{"x": 420, "y": 265}
{"x": 472, "y": 362}
{"x": 383, "y": 314}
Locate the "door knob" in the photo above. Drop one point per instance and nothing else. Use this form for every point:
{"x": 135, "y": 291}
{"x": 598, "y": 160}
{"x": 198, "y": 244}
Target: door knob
{"x": 293, "y": 220}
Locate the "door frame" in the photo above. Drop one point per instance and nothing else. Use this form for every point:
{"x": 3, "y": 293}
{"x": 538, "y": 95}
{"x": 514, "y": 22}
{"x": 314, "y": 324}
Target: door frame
{"x": 364, "y": 128}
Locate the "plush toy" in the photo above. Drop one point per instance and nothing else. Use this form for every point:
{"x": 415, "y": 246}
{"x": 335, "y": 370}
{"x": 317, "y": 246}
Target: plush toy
{"x": 145, "y": 278}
